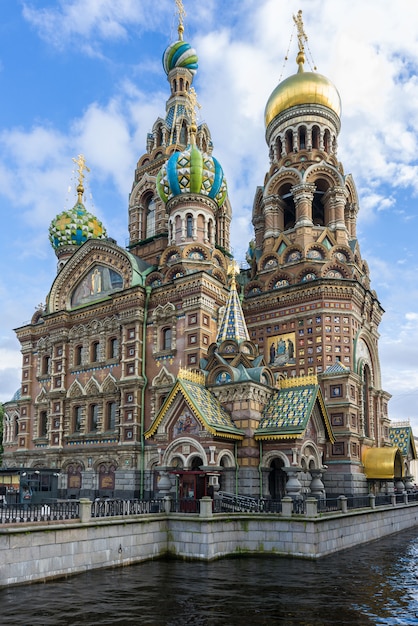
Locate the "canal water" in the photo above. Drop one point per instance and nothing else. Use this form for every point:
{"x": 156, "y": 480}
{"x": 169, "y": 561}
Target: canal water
{"x": 373, "y": 584}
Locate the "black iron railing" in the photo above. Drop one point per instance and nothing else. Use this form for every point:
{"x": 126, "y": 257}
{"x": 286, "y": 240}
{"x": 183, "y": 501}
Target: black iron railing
{"x": 53, "y": 512}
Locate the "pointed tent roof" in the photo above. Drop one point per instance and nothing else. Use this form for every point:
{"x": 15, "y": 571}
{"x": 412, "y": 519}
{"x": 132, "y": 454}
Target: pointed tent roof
{"x": 288, "y": 411}
{"x": 206, "y": 408}
{"x": 401, "y": 435}
{"x": 233, "y": 325}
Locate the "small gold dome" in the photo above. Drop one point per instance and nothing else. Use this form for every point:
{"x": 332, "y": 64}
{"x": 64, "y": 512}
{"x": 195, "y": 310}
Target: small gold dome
{"x": 302, "y": 88}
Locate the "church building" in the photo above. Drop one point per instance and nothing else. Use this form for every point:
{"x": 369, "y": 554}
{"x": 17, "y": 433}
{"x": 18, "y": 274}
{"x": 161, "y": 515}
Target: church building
{"x": 164, "y": 368}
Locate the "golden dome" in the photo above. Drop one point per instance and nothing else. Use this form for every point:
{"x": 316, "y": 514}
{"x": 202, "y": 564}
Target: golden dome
{"x": 302, "y": 88}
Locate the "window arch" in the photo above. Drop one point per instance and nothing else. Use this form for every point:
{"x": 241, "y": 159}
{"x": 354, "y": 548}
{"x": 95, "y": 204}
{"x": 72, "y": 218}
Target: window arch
{"x": 302, "y": 138}
{"x": 166, "y": 338}
{"x": 189, "y": 225}
{"x": 77, "y": 418}
{"x": 366, "y": 400}
{"x": 46, "y": 360}
{"x": 43, "y": 424}
{"x": 110, "y": 416}
{"x": 93, "y": 417}
{"x": 112, "y": 348}
{"x": 94, "y": 352}
{"x": 78, "y": 351}
{"x": 150, "y": 208}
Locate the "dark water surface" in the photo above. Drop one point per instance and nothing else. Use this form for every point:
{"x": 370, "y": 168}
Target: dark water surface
{"x": 372, "y": 584}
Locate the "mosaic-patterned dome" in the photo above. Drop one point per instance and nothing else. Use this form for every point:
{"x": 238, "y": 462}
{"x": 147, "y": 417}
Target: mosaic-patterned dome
{"x": 180, "y": 54}
{"x": 74, "y": 227}
{"x": 192, "y": 171}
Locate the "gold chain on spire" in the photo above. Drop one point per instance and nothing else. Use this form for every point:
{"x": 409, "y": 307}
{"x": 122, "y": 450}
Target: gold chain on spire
{"x": 82, "y": 167}
{"x": 182, "y": 15}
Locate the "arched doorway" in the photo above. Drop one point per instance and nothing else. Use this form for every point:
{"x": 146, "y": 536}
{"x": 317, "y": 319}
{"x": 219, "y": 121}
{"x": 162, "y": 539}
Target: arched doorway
{"x": 192, "y": 485}
{"x": 277, "y": 479}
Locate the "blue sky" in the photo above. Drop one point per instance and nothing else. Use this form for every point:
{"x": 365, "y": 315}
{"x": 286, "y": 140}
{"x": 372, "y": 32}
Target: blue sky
{"x": 85, "y": 76}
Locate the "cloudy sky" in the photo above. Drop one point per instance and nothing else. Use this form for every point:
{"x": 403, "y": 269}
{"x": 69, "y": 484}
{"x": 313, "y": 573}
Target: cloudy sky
{"x": 85, "y": 76}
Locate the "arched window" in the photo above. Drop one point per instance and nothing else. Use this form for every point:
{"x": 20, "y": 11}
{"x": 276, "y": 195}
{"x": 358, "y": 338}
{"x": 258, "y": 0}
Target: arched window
{"x": 150, "y": 217}
{"x": 289, "y": 141}
{"x": 93, "y": 417}
{"x": 183, "y": 134}
{"x": 112, "y": 351}
{"x": 302, "y": 138}
{"x": 45, "y": 364}
{"x": 189, "y": 220}
{"x": 43, "y": 424}
{"x": 315, "y": 137}
{"x": 327, "y": 141}
{"x": 94, "y": 354}
{"x": 166, "y": 339}
{"x": 366, "y": 400}
{"x": 78, "y": 412}
{"x": 77, "y": 355}
{"x": 110, "y": 416}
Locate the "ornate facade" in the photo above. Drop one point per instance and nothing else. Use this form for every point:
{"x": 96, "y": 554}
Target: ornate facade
{"x": 162, "y": 368}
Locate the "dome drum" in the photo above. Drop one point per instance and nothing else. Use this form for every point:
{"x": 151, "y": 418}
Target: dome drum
{"x": 309, "y": 115}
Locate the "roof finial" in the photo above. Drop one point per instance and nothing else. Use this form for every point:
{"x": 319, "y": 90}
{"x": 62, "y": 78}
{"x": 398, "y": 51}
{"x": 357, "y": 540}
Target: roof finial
{"x": 302, "y": 37}
{"x": 233, "y": 270}
{"x": 82, "y": 167}
{"x": 182, "y": 15}
{"x": 193, "y": 104}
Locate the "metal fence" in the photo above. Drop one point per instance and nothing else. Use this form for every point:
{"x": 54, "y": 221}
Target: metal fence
{"x": 53, "y": 512}
{"x": 110, "y": 508}
{"x": 222, "y": 503}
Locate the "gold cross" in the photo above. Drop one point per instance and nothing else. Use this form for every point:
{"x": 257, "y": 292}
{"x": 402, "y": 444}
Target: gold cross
{"x": 81, "y": 162}
{"x": 301, "y": 33}
{"x": 182, "y": 15}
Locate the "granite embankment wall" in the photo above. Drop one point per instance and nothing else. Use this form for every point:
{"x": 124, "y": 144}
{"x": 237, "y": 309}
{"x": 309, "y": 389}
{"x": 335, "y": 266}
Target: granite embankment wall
{"x": 41, "y": 551}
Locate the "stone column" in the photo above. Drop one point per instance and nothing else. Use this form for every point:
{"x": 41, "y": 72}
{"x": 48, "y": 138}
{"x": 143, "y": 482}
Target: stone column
{"x": 303, "y": 196}
{"x": 85, "y": 510}
{"x": 335, "y": 199}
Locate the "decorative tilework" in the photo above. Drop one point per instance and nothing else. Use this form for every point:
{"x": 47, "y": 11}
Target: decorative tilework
{"x": 288, "y": 412}
{"x": 74, "y": 227}
{"x": 402, "y": 437}
{"x": 204, "y": 406}
{"x": 192, "y": 171}
{"x": 233, "y": 324}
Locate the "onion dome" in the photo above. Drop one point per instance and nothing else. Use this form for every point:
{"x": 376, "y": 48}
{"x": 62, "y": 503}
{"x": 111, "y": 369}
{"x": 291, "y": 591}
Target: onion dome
{"x": 74, "y": 227}
{"x": 180, "y": 54}
{"x": 192, "y": 171}
{"x": 302, "y": 88}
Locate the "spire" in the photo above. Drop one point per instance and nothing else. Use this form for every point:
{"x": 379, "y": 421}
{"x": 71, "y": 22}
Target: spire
{"x": 192, "y": 105}
{"x": 233, "y": 324}
{"x": 182, "y": 15}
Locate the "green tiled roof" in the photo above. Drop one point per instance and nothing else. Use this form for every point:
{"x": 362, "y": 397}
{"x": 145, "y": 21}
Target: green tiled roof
{"x": 204, "y": 405}
{"x": 288, "y": 411}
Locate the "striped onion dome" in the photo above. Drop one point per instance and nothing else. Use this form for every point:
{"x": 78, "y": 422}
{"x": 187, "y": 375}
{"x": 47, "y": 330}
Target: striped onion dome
{"x": 180, "y": 54}
{"x": 192, "y": 171}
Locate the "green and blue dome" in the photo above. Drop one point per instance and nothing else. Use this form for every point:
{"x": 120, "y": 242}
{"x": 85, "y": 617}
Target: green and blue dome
{"x": 180, "y": 54}
{"x": 192, "y": 171}
{"x": 74, "y": 227}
